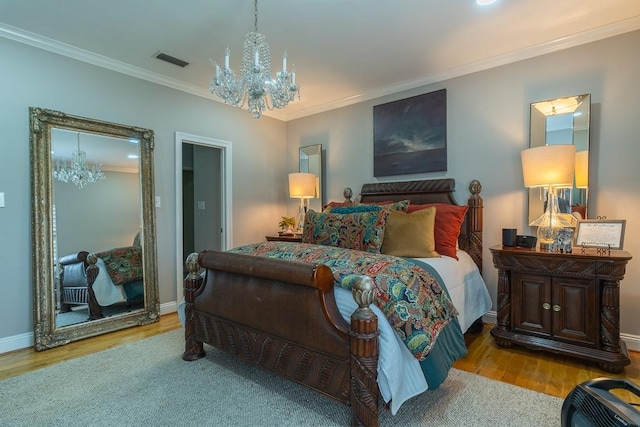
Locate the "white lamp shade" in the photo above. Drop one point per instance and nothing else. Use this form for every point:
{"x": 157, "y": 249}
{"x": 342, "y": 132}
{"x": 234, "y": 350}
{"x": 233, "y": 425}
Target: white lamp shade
{"x": 582, "y": 169}
{"x": 549, "y": 165}
{"x": 302, "y": 185}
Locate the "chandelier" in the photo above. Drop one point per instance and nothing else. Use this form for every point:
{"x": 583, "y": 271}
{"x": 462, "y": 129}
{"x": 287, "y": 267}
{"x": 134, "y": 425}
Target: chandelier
{"x": 79, "y": 172}
{"x": 255, "y": 87}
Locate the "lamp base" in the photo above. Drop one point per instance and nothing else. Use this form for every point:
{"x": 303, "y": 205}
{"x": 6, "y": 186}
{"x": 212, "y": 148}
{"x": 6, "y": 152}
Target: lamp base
{"x": 301, "y": 216}
{"x": 549, "y": 247}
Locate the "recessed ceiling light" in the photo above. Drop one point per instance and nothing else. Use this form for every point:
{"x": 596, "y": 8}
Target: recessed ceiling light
{"x": 485, "y": 2}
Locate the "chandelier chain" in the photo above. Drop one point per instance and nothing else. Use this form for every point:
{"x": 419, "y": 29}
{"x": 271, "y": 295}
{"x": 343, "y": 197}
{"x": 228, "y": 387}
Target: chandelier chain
{"x": 255, "y": 15}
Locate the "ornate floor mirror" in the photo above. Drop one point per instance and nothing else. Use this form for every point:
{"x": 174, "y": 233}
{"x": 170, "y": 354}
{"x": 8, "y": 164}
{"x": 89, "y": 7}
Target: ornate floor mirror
{"x": 93, "y": 227}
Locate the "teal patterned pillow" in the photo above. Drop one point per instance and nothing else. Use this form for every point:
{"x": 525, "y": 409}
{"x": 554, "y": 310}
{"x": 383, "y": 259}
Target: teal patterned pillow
{"x": 355, "y": 209}
{"x": 402, "y": 206}
{"x": 361, "y": 231}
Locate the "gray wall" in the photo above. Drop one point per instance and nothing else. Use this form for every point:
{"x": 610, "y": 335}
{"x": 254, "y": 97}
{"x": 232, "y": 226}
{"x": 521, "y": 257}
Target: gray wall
{"x": 34, "y": 77}
{"x": 488, "y": 114}
{"x": 98, "y": 217}
{"x": 488, "y": 126}
{"x": 207, "y": 220}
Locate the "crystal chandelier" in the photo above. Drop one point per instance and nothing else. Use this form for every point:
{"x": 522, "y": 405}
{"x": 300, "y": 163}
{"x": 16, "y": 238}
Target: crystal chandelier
{"x": 80, "y": 172}
{"x": 255, "y": 87}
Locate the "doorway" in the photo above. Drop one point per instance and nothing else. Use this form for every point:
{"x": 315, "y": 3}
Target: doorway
{"x": 203, "y": 198}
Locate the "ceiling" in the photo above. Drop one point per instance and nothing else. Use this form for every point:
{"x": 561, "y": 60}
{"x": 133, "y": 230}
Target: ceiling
{"x": 345, "y": 51}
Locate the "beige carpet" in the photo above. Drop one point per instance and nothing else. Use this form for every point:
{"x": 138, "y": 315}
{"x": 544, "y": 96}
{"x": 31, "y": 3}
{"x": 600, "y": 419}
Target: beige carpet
{"x": 148, "y": 384}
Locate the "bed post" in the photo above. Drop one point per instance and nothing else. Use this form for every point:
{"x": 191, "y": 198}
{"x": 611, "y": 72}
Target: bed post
{"x": 193, "y": 349}
{"x": 364, "y": 354}
{"x": 474, "y": 223}
{"x": 95, "y": 310}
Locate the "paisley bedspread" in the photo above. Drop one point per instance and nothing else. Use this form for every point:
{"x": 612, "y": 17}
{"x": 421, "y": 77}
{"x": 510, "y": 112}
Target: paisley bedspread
{"x": 413, "y": 301}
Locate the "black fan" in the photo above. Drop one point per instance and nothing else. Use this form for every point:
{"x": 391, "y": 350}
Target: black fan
{"x": 592, "y": 404}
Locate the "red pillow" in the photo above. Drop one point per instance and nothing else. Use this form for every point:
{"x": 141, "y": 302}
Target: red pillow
{"x": 449, "y": 219}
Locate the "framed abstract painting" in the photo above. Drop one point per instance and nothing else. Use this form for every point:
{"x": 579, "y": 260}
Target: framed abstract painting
{"x": 410, "y": 135}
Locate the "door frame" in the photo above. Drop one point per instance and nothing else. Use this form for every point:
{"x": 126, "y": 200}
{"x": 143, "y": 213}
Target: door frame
{"x": 225, "y": 191}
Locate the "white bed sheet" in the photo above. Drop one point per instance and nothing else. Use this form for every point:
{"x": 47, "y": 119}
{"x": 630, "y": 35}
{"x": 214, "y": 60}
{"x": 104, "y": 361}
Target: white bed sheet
{"x": 399, "y": 374}
{"x": 105, "y": 291}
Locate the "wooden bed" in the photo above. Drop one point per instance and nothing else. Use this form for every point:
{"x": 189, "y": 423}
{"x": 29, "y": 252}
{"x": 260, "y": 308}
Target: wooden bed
{"x": 232, "y": 309}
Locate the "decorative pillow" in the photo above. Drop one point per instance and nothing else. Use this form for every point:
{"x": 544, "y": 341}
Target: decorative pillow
{"x": 124, "y": 265}
{"x": 355, "y": 209}
{"x": 449, "y": 219}
{"x": 410, "y": 234}
{"x": 327, "y": 208}
{"x": 402, "y": 205}
{"x": 361, "y": 231}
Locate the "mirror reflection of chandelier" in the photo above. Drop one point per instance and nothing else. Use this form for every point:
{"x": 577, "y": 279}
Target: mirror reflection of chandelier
{"x": 79, "y": 172}
{"x": 255, "y": 87}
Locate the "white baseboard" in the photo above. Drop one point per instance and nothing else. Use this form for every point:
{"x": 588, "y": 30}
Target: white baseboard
{"x": 168, "y": 307}
{"x": 632, "y": 341}
{"x": 21, "y": 341}
{"x": 18, "y": 342}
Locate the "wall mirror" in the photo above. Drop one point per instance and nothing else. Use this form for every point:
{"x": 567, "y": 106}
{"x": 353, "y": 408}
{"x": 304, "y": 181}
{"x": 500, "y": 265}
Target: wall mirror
{"x": 311, "y": 162}
{"x": 93, "y": 236}
{"x": 563, "y": 121}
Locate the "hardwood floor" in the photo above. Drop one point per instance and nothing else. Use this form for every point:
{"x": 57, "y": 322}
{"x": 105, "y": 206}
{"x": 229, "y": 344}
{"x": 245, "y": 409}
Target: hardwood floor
{"x": 21, "y": 361}
{"x": 539, "y": 371}
{"x": 542, "y": 372}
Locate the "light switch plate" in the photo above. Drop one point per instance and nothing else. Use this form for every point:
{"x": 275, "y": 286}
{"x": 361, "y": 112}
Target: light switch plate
{"x": 201, "y": 205}
{"x": 158, "y": 202}
{"x": 2, "y": 200}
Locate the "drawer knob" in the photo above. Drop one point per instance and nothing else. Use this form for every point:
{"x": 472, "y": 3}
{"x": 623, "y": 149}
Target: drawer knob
{"x": 556, "y": 307}
{"x": 546, "y": 306}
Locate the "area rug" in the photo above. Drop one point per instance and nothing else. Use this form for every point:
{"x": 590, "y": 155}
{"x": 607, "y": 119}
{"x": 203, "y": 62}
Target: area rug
{"x": 147, "y": 383}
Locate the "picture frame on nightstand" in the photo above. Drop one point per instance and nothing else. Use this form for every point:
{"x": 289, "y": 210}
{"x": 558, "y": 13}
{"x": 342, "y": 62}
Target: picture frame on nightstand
{"x": 600, "y": 233}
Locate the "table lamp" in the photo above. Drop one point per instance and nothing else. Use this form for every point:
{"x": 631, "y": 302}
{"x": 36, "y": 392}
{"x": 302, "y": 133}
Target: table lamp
{"x": 551, "y": 167}
{"x": 302, "y": 186}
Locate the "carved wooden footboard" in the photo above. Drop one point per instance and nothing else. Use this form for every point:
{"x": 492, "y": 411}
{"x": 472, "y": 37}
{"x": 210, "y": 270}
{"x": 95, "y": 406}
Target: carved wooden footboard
{"x": 282, "y": 316}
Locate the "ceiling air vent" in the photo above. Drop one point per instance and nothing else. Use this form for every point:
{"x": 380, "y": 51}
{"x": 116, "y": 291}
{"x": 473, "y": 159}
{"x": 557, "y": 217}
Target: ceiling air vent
{"x": 170, "y": 59}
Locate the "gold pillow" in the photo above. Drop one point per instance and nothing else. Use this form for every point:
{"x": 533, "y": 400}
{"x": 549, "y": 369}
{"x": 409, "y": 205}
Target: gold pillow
{"x": 410, "y": 234}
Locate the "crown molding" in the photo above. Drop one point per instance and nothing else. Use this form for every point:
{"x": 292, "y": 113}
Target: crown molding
{"x": 557, "y": 45}
{"x": 36, "y": 40}
{"x": 70, "y": 51}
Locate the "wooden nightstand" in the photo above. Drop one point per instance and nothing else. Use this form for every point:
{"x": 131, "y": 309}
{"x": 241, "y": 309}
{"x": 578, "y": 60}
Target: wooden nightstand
{"x": 278, "y": 238}
{"x": 562, "y": 303}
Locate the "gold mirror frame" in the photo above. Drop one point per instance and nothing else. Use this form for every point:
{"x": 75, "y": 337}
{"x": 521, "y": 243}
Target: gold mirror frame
{"x": 46, "y": 335}
{"x": 542, "y": 132}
